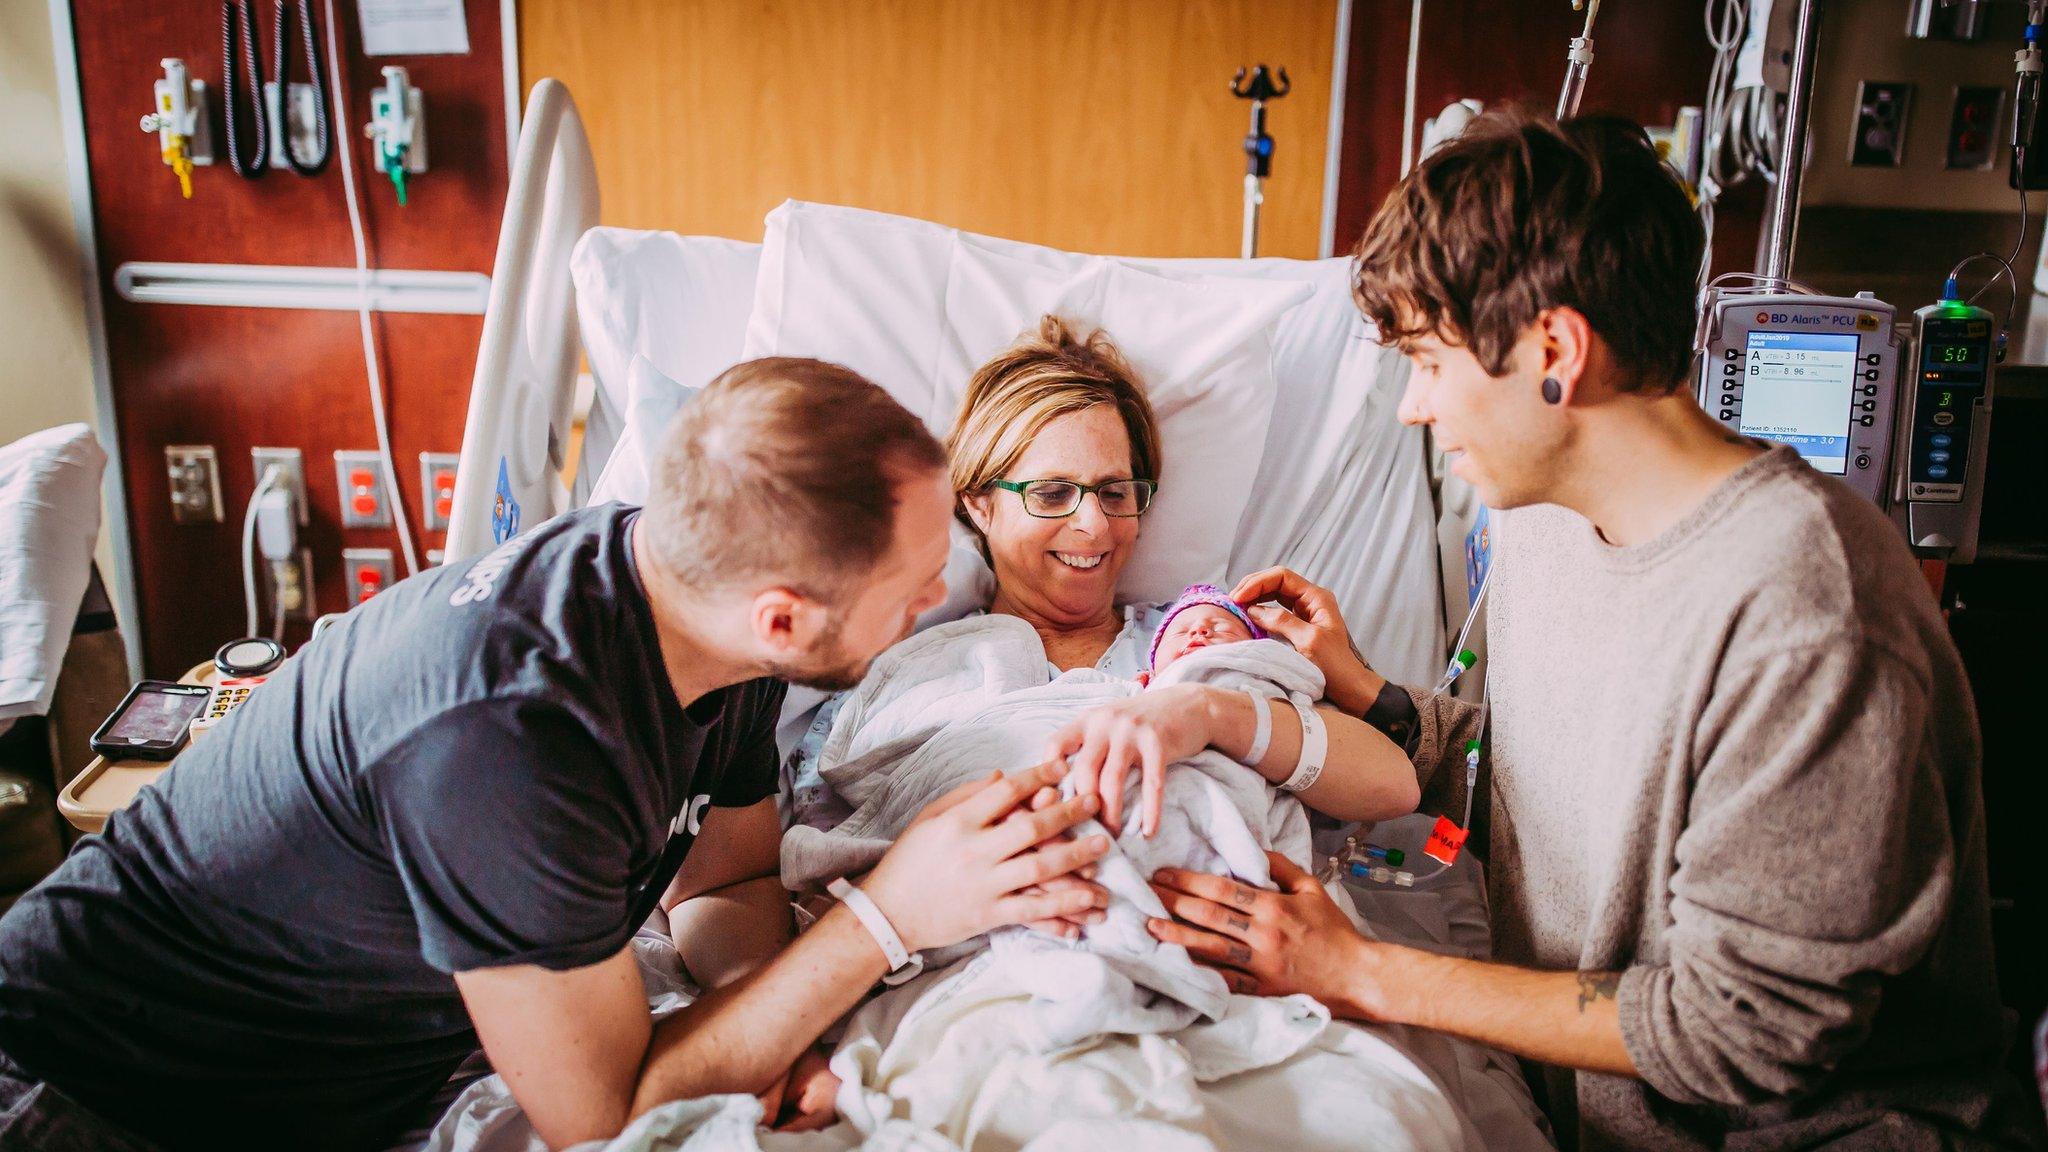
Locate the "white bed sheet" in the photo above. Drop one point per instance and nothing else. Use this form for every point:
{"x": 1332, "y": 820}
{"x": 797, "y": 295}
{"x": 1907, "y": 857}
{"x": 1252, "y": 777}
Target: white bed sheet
{"x": 1278, "y": 1107}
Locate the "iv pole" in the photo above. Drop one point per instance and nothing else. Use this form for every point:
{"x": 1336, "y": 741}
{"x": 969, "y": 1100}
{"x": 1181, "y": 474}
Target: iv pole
{"x": 1258, "y": 147}
{"x": 1781, "y": 230}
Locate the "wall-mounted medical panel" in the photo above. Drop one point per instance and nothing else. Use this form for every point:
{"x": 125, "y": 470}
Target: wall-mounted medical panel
{"x": 286, "y": 371}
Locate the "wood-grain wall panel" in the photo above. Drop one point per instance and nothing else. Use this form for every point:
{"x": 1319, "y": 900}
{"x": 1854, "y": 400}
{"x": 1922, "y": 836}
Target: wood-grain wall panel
{"x": 1650, "y": 60}
{"x": 242, "y": 377}
{"x": 1099, "y": 125}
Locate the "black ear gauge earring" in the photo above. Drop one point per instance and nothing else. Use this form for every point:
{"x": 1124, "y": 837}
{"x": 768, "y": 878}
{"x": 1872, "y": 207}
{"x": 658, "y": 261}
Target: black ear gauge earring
{"x": 1553, "y": 392}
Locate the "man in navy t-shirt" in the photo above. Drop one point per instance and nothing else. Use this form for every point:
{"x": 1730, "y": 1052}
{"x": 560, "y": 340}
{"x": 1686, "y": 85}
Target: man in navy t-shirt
{"x": 443, "y": 822}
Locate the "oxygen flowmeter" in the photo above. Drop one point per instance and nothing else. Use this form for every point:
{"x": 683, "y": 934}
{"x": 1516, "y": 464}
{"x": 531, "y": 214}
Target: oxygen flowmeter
{"x": 1817, "y": 372}
{"x": 1938, "y": 494}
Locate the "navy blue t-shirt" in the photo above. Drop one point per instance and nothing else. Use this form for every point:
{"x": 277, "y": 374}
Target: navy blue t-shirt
{"x": 484, "y": 765}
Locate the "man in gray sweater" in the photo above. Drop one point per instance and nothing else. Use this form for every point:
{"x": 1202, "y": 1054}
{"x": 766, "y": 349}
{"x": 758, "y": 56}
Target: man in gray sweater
{"x": 1736, "y": 828}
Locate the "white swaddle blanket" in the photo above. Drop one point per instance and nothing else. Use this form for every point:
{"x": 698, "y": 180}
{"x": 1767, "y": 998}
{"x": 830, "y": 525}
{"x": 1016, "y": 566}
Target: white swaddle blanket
{"x": 1026, "y": 1043}
{"x": 961, "y": 699}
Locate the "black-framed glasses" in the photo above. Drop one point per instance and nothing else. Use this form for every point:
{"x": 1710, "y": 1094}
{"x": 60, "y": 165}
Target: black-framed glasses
{"x": 1052, "y": 499}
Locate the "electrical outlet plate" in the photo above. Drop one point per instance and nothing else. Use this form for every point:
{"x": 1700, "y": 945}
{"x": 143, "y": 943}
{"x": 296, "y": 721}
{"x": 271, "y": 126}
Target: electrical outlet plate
{"x": 309, "y": 608}
{"x": 366, "y": 572}
{"x": 195, "y": 483}
{"x": 294, "y": 464}
{"x": 365, "y": 501}
{"x": 1977, "y": 128}
{"x": 437, "y": 500}
{"x": 1878, "y": 138}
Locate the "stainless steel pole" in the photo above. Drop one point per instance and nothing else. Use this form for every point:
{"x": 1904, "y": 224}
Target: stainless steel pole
{"x": 1781, "y": 231}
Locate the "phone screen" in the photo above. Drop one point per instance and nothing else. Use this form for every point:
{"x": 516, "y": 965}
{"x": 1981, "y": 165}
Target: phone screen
{"x": 156, "y": 717}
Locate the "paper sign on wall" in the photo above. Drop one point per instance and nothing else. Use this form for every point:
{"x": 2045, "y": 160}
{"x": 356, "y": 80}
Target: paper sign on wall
{"x": 413, "y": 27}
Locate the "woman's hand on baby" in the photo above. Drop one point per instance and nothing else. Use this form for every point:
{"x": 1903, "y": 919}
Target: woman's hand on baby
{"x": 1307, "y": 617}
{"x": 1265, "y": 943}
{"x": 1145, "y": 732}
{"x": 979, "y": 858}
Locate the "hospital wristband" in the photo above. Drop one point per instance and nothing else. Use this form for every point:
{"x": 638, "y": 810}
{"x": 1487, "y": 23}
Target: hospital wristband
{"x": 903, "y": 964}
{"x": 1262, "y": 731}
{"x": 1315, "y": 748}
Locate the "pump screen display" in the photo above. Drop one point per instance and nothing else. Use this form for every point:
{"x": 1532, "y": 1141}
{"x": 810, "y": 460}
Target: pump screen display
{"x": 1798, "y": 389}
{"x": 1963, "y": 355}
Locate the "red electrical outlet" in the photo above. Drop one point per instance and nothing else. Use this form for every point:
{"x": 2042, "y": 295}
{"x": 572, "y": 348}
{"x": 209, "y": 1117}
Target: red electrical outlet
{"x": 369, "y": 571}
{"x": 437, "y": 489}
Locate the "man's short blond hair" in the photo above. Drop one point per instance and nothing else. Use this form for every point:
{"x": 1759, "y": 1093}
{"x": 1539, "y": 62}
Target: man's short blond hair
{"x": 1027, "y": 386}
{"x": 784, "y": 469}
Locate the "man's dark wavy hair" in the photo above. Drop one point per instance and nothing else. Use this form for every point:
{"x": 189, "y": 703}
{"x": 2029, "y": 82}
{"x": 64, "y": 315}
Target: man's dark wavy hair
{"x": 1520, "y": 214}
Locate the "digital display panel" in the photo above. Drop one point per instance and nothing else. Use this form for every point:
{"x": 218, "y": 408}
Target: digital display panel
{"x": 1798, "y": 389}
{"x": 157, "y": 716}
{"x": 1969, "y": 354}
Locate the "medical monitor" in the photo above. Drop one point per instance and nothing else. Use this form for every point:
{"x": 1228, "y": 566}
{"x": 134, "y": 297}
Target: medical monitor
{"x": 1818, "y": 373}
{"x": 1799, "y": 389}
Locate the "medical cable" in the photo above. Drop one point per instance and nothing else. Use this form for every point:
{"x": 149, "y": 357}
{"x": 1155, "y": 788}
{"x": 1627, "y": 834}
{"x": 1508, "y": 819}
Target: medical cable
{"x": 2027, "y": 70}
{"x": 238, "y": 42}
{"x": 271, "y": 477}
{"x": 1462, "y": 657}
{"x": 1725, "y": 36}
{"x": 323, "y": 132}
{"x": 355, "y": 226}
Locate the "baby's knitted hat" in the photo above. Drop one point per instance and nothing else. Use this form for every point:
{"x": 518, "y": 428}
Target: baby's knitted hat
{"x": 1192, "y": 596}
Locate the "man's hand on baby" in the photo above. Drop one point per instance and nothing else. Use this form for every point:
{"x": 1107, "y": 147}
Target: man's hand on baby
{"x": 980, "y": 858}
{"x": 1308, "y": 618}
{"x": 1145, "y": 732}
{"x": 1264, "y": 943}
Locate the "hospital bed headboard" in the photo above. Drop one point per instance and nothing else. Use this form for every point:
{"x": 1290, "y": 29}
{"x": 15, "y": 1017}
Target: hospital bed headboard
{"x": 516, "y": 435}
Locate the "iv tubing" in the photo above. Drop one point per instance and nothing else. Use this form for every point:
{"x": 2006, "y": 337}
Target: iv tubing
{"x": 355, "y": 227}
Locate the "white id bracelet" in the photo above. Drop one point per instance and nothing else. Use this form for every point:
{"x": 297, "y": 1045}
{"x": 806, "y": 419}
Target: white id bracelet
{"x": 1262, "y": 733}
{"x": 1315, "y": 747}
{"x": 857, "y": 902}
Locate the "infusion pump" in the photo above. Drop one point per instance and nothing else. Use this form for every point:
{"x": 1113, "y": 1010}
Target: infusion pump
{"x": 1822, "y": 373}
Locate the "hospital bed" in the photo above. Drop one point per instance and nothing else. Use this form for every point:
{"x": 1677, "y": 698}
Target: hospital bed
{"x": 1331, "y": 484}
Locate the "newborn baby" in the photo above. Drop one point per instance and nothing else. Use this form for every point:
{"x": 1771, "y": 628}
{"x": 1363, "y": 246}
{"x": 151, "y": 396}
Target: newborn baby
{"x": 957, "y": 699}
{"x": 1203, "y": 616}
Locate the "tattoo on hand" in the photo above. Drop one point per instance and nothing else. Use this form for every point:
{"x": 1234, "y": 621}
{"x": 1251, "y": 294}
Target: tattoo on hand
{"x": 1242, "y": 896}
{"x": 1239, "y": 954}
{"x": 1597, "y": 986}
{"x": 1238, "y": 923}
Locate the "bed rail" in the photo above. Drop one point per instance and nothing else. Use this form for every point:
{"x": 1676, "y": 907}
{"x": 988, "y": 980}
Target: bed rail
{"x": 521, "y": 401}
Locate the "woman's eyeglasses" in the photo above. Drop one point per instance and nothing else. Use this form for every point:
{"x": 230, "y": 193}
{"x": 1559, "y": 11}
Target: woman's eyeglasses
{"x": 1052, "y": 499}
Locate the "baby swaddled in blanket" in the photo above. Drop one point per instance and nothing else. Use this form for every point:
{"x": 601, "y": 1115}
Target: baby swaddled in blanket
{"x": 955, "y": 701}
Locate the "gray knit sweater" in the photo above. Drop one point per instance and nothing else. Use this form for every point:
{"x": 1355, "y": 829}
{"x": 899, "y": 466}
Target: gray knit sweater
{"x": 1740, "y": 762}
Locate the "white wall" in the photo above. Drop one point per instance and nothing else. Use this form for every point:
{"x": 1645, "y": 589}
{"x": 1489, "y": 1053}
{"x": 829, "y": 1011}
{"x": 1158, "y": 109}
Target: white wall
{"x": 46, "y": 372}
{"x": 45, "y": 357}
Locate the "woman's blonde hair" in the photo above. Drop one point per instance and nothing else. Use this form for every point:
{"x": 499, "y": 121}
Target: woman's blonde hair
{"x": 1029, "y": 385}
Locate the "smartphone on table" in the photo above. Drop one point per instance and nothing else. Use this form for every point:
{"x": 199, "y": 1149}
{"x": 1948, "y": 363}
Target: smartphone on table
{"x": 153, "y": 721}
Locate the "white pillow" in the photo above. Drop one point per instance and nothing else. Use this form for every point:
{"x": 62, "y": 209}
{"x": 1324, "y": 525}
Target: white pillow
{"x": 49, "y": 522}
{"x": 916, "y": 307}
{"x": 652, "y": 401}
{"x": 680, "y": 301}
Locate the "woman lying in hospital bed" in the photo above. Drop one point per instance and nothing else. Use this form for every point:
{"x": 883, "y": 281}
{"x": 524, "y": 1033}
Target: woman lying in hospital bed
{"x": 1090, "y": 1034}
